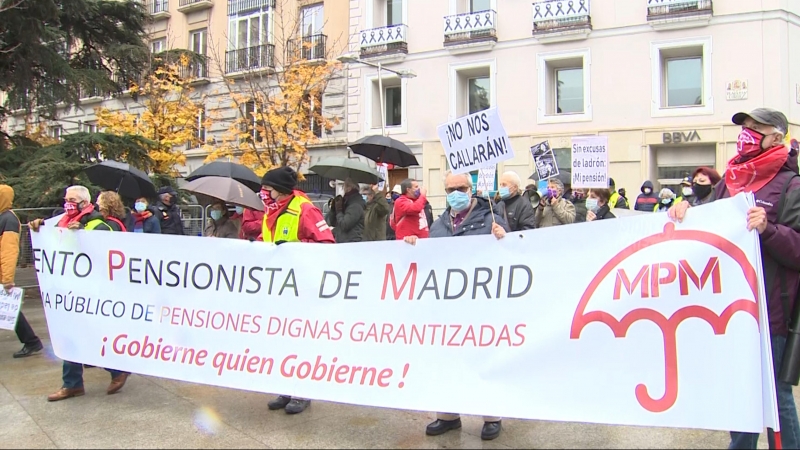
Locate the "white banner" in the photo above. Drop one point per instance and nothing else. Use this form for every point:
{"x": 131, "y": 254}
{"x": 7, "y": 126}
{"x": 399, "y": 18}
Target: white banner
{"x": 10, "y": 304}
{"x": 590, "y": 162}
{"x": 475, "y": 141}
{"x": 657, "y": 326}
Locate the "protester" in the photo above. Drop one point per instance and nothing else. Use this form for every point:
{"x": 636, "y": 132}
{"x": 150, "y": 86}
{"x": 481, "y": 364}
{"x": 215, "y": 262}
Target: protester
{"x": 169, "y": 213}
{"x": 516, "y": 209}
{"x": 110, "y": 205}
{"x": 80, "y": 215}
{"x": 617, "y": 200}
{"x": 554, "y": 209}
{"x": 765, "y": 167}
{"x": 249, "y": 222}
{"x": 647, "y": 200}
{"x": 375, "y": 215}
{"x": 408, "y": 216}
{"x": 143, "y": 219}
{"x": 579, "y": 200}
{"x": 597, "y": 205}
{"x": 622, "y": 194}
{"x": 290, "y": 217}
{"x": 347, "y": 215}
{"x": 666, "y": 198}
{"x": 703, "y": 181}
{"x": 10, "y": 229}
{"x": 464, "y": 216}
{"x": 219, "y": 224}
{"x": 686, "y": 191}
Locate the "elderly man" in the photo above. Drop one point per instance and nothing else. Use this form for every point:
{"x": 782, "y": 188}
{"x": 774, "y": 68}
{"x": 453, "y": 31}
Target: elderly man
{"x": 765, "y": 167}
{"x": 554, "y": 209}
{"x": 347, "y": 215}
{"x": 408, "y": 216}
{"x": 517, "y": 211}
{"x": 80, "y": 215}
{"x": 168, "y": 212}
{"x": 375, "y": 215}
{"x": 465, "y": 216}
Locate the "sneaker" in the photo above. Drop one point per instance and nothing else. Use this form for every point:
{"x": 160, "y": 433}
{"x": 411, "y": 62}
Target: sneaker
{"x": 29, "y": 350}
{"x": 296, "y": 406}
{"x": 279, "y": 403}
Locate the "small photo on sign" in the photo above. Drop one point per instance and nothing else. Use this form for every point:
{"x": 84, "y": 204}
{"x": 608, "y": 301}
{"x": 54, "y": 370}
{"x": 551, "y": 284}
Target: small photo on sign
{"x": 545, "y": 160}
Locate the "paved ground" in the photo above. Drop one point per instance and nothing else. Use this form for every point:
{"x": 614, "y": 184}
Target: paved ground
{"x": 151, "y": 412}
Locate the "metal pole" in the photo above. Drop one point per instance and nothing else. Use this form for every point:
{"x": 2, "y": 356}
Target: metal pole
{"x": 383, "y": 109}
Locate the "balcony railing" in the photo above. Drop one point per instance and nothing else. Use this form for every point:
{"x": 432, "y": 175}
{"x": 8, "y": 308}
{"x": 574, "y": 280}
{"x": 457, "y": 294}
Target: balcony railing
{"x": 194, "y": 5}
{"x": 158, "y": 8}
{"x": 90, "y": 92}
{"x": 673, "y": 9}
{"x": 194, "y": 70}
{"x": 560, "y": 15}
{"x": 239, "y": 6}
{"x": 307, "y": 47}
{"x": 474, "y": 26}
{"x": 250, "y": 59}
{"x": 384, "y": 40}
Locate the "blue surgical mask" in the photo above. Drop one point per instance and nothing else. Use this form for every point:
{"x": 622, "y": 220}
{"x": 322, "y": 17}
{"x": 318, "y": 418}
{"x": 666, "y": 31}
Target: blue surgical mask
{"x": 666, "y": 201}
{"x": 216, "y": 214}
{"x": 505, "y": 192}
{"x": 458, "y": 201}
{"x": 364, "y": 196}
{"x": 591, "y": 205}
{"x": 239, "y": 210}
{"x": 140, "y": 206}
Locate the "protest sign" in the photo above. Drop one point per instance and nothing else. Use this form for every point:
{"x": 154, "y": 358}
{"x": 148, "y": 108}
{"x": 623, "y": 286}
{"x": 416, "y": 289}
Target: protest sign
{"x": 475, "y": 141}
{"x": 486, "y": 177}
{"x": 658, "y": 325}
{"x": 590, "y": 162}
{"x": 545, "y": 160}
{"x": 383, "y": 169}
{"x": 10, "y": 304}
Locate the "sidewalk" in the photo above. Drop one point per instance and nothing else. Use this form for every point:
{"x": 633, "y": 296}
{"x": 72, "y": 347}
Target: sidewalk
{"x": 154, "y": 412}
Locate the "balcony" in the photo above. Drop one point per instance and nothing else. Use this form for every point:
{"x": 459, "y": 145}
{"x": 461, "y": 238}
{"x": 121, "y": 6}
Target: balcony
{"x": 90, "y": 94}
{"x": 308, "y": 48}
{"x": 251, "y": 59}
{"x": 187, "y": 6}
{"x": 158, "y": 9}
{"x": 561, "y": 20}
{"x": 239, "y": 6}
{"x": 196, "y": 72}
{"x": 387, "y": 42}
{"x": 674, "y": 14}
{"x": 475, "y": 31}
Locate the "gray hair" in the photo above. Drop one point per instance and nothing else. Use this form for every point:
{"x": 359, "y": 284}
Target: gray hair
{"x": 81, "y": 192}
{"x": 349, "y": 183}
{"x": 514, "y": 176}
{"x": 466, "y": 176}
{"x": 405, "y": 185}
{"x": 666, "y": 193}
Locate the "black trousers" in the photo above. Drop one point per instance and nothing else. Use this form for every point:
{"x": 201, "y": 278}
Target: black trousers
{"x": 25, "y": 333}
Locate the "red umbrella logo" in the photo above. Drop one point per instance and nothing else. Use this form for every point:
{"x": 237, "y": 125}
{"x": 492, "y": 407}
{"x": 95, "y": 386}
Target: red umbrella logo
{"x": 649, "y": 280}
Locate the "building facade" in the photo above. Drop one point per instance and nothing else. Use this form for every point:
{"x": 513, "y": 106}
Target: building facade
{"x": 660, "y": 78}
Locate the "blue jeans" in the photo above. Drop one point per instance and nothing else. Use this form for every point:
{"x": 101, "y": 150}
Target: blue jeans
{"x": 787, "y": 413}
{"x": 72, "y": 374}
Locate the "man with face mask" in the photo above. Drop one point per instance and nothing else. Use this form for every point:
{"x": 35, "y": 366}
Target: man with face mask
{"x": 375, "y": 214}
{"x": 648, "y": 200}
{"x": 553, "y": 208}
{"x": 168, "y": 211}
{"x": 765, "y": 167}
{"x": 465, "y": 216}
{"x": 408, "y": 217}
{"x": 347, "y": 215}
{"x": 515, "y": 209}
{"x": 79, "y": 215}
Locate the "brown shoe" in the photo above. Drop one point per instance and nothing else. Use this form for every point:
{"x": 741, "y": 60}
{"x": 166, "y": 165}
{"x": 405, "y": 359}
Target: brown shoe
{"x": 65, "y": 393}
{"x": 117, "y": 383}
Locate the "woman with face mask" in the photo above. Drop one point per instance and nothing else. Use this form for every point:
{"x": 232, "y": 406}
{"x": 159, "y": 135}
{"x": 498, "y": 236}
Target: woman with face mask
{"x": 703, "y": 181}
{"x": 219, "y": 224}
{"x": 597, "y": 205}
{"x": 142, "y": 219}
{"x": 666, "y": 200}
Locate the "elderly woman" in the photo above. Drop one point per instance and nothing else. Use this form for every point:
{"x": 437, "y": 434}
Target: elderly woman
{"x": 143, "y": 218}
{"x": 554, "y": 209}
{"x": 111, "y": 207}
{"x": 666, "y": 200}
{"x": 597, "y": 207}
{"x": 703, "y": 182}
{"x": 220, "y": 224}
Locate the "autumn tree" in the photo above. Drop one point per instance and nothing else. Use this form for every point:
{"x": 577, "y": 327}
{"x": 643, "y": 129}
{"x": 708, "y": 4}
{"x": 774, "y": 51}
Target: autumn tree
{"x": 165, "y": 110}
{"x": 277, "y": 92}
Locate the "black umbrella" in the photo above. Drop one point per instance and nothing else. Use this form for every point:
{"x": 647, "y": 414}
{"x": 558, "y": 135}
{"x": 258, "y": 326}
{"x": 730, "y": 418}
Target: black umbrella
{"x": 224, "y": 169}
{"x": 384, "y": 150}
{"x": 129, "y": 182}
{"x": 344, "y": 168}
{"x": 565, "y": 176}
{"x": 226, "y": 189}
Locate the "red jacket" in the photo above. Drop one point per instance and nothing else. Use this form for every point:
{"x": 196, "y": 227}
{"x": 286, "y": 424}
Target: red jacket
{"x": 250, "y": 221}
{"x": 409, "y": 217}
{"x": 312, "y": 226}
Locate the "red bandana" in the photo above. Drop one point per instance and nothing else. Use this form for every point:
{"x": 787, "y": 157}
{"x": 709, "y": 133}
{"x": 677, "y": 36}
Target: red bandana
{"x": 754, "y": 174}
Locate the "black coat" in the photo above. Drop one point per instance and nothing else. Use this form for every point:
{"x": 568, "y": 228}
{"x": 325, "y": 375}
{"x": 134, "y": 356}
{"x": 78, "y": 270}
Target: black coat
{"x": 518, "y": 212}
{"x": 170, "y": 217}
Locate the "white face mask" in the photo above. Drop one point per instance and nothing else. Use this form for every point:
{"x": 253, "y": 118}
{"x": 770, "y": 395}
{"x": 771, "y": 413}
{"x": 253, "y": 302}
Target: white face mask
{"x": 687, "y": 191}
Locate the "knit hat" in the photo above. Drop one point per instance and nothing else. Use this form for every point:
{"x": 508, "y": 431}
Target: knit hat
{"x": 282, "y": 179}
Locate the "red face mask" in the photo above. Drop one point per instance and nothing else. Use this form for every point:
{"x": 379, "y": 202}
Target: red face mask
{"x": 71, "y": 208}
{"x": 749, "y": 143}
{"x": 266, "y": 197}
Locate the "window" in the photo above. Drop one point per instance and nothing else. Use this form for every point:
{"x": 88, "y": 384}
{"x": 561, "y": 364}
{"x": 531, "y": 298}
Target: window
{"x": 386, "y": 13}
{"x": 200, "y": 127}
{"x": 681, "y": 77}
{"x": 158, "y": 46}
{"x": 394, "y": 12}
{"x": 89, "y": 127}
{"x": 564, "y": 88}
{"x": 315, "y": 106}
{"x": 55, "y": 132}
{"x": 197, "y": 44}
{"x": 472, "y": 88}
{"x": 394, "y": 106}
{"x": 313, "y": 20}
{"x": 676, "y": 163}
{"x": 479, "y": 89}
{"x": 249, "y": 31}
{"x": 479, "y": 5}
{"x": 251, "y": 123}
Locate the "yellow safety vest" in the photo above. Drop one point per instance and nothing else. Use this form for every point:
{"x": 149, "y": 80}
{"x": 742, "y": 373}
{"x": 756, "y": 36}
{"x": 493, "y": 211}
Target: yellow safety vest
{"x": 94, "y": 224}
{"x": 288, "y": 223}
{"x": 677, "y": 200}
{"x": 612, "y": 202}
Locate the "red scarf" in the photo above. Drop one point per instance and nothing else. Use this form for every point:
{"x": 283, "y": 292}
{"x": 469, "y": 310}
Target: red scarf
{"x": 274, "y": 209}
{"x": 141, "y": 217}
{"x": 67, "y": 219}
{"x": 753, "y": 174}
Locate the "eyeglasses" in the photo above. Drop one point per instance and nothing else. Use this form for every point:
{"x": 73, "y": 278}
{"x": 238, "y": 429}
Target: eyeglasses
{"x": 450, "y": 190}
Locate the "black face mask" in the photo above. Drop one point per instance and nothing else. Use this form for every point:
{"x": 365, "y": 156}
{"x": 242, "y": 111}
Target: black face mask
{"x": 701, "y": 190}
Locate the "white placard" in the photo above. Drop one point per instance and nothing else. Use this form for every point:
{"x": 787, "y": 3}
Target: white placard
{"x": 545, "y": 160}
{"x": 486, "y": 178}
{"x": 657, "y": 326}
{"x": 10, "y": 304}
{"x": 590, "y": 162}
{"x": 475, "y": 141}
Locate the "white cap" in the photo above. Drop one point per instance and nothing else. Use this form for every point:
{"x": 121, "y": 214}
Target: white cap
{"x": 396, "y": 188}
